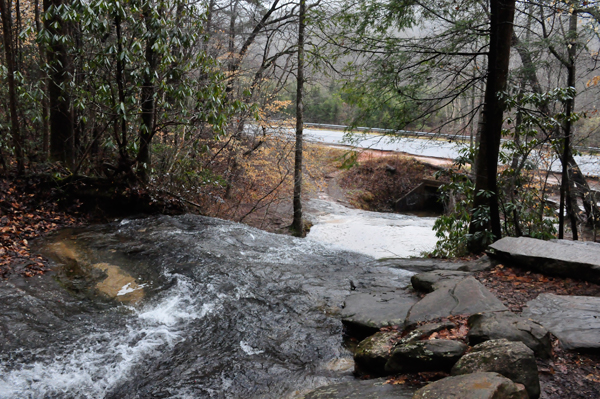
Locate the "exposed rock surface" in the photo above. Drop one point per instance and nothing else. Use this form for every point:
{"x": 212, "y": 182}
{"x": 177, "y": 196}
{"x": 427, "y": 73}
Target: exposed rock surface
{"x": 513, "y": 360}
{"x": 365, "y": 313}
{"x": 473, "y": 386}
{"x": 373, "y": 352}
{"x": 438, "y": 354}
{"x": 431, "y": 281}
{"x": 498, "y": 325}
{"x": 574, "y": 320}
{"x": 577, "y": 259}
{"x": 427, "y": 265}
{"x": 466, "y": 297}
{"x": 367, "y": 389}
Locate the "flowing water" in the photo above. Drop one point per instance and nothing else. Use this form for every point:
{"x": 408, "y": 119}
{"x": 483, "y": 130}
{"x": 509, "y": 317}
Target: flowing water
{"x": 180, "y": 307}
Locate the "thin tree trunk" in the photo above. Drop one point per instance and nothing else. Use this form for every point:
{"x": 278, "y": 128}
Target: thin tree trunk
{"x": 122, "y": 137}
{"x": 565, "y": 191}
{"x": 147, "y": 100}
{"x": 43, "y": 78}
{"x": 297, "y": 224}
{"x": 61, "y": 122}
{"x": 12, "y": 93}
{"x": 501, "y": 28}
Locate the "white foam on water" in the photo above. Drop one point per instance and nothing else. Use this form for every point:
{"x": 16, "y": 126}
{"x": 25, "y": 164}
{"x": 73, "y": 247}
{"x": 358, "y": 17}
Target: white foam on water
{"x": 380, "y": 235}
{"x": 94, "y": 364}
{"x": 127, "y": 288}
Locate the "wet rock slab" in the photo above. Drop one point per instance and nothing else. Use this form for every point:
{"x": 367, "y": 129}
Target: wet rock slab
{"x": 417, "y": 265}
{"x": 473, "y": 386}
{"x": 365, "y": 313}
{"x": 577, "y": 259}
{"x": 465, "y": 297}
{"x": 357, "y": 389}
{"x": 507, "y": 325}
{"x": 574, "y": 320}
{"x": 513, "y": 360}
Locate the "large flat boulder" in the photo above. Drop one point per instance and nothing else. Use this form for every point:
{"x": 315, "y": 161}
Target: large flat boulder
{"x": 420, "y": 265}
{"x": 513, "y": 360}
{"x": 465, "y": 297}
{"x": 574, "y": 320}
{"x": 367, "y": 389}
{"x": 365, "y": 313}
{"x": 577, "y": 259}
{"x": 473, "y": 386}
{"x": 506, "y": 325}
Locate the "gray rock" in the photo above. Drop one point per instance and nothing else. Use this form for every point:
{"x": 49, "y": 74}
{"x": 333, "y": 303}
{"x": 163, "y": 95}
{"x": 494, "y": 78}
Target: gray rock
{"x": 432, "y": 355}
{"x": 365, "y": 313}
{"x": 427, "y": 329}
{"x": 367, "y": 389}
{"x": 466, "y": 297}
{"x": 513, "y": 360}
{"x": 577, "y": 259}
{"x": 372, "y": 353}
{"x": 473, "y": 386}
{"x": 574, "y": 320}
{"x": 431, "y": 281}
{"x": 478, "y": 265}
{"x": 488, "y": 326}
{"x": 419, "y": 265}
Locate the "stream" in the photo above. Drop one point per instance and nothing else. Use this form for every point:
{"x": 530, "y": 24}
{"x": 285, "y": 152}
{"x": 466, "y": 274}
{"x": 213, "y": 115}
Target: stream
{"x": 196, "y": 307}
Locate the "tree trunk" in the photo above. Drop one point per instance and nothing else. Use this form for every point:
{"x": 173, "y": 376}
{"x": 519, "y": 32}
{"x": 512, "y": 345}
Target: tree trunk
{"x": 486, "y": 189}
{"x": 297, "y": 224}
{"x": 61, "y": 122}
{"x": 15, "y": 130}
{"x": 565, "y": 186}
{"x": 147, "y": 99}
{"x": 44, "y": 103}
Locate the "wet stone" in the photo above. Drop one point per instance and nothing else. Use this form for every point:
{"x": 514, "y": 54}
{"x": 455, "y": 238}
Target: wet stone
{"x": 367, "y": 389}
{"x": 431, "y": 281}
{"x": 372, "y": 353}
{"x": 574, "y": 320}
{"x": 577, "y": 259}
{"x": 513, "y": 360}
{"x": 433, "y": 355}
{"x": 473, "y": 386}
{"x": 465, "y": 297}
{"x": 507, "y": 325}
{"x": 365, "y": 313}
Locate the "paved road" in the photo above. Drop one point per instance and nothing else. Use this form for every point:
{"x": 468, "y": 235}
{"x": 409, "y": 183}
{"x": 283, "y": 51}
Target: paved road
{"x": 589, "y": 164}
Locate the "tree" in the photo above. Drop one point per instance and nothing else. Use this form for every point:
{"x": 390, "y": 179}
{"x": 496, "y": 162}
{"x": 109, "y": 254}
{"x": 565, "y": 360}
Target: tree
{"x": 297, "y": 224}
{"x": 15, "y": 130}
{"x": 56, "y": 23}
{"x": 486, "y": 214}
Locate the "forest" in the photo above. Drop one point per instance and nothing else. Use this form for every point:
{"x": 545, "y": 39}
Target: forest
{"x": 205, "y": 101}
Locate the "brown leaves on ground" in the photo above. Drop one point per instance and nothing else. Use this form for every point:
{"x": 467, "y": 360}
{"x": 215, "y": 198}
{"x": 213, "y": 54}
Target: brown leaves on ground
{"x": 26, "y": 212}
{"x": 458, "y": 333}
{"x": 515, "y": 287}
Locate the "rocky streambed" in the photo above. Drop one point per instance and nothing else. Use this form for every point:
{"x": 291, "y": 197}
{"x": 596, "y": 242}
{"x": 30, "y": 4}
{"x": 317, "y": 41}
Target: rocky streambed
{"x": 195, "y": 307}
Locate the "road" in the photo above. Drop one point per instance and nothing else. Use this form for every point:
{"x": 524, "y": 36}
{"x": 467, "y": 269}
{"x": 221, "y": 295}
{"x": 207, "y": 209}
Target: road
{"x": 426, "y": 147}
